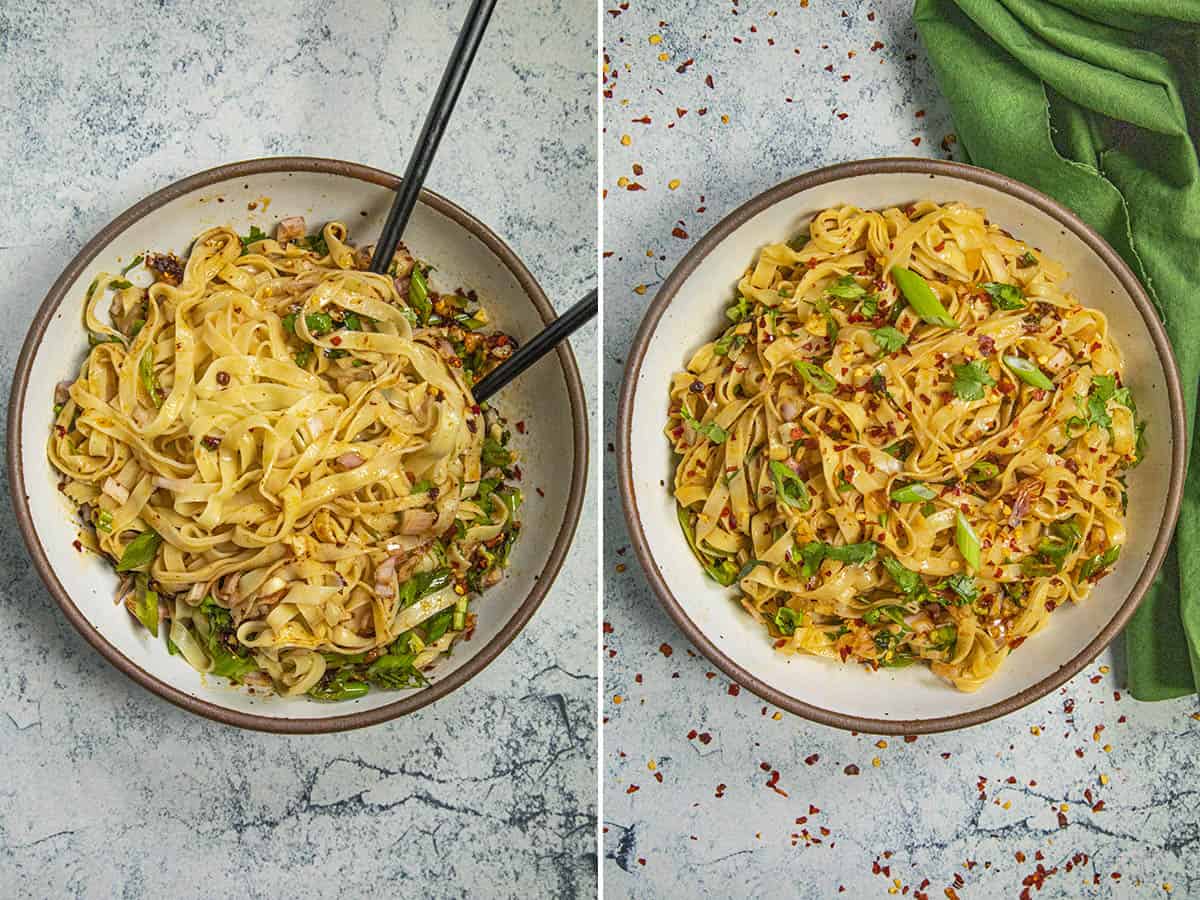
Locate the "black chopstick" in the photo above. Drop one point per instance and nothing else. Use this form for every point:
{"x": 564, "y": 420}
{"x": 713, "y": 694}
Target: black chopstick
{"x": 448, "y": 90}
{"x": 537, "y": 347}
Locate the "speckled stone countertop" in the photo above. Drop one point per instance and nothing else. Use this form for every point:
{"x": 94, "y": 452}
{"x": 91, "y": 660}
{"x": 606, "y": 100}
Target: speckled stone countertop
{"x": 108, "y": 791}
{"x": 1085, "y": 793}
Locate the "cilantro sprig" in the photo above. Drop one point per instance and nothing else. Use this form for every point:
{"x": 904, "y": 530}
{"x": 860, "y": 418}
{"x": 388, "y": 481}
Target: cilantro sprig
{"x": 970, "y": 379}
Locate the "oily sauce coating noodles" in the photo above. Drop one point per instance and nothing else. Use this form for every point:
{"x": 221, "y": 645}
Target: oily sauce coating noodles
{"x": 282, "y": 451}
{"x": 909, "y": 444}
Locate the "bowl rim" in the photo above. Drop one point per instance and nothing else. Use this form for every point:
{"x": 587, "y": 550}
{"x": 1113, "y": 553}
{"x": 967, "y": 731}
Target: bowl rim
{"x": 20, "y": 497}
{"x": 666, "y": 295}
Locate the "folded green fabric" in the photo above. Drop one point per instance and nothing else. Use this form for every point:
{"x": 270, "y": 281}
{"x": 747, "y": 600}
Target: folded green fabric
{"x": 1096, "y": 103}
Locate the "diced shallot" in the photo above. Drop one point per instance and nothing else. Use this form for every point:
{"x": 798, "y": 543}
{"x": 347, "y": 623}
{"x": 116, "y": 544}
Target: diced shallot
{"x": 383, "y": 577}
{"x": 350, "y": 460}
{"x": 228, "y": 588}
{"x": 289, "y": 229}
{"x": 417, "y": 521}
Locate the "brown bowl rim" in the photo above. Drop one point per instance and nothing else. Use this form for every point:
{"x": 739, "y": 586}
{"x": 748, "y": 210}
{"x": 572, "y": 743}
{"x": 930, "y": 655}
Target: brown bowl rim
{"x": 284, "y": 725}
{"x": 666, "y": 294}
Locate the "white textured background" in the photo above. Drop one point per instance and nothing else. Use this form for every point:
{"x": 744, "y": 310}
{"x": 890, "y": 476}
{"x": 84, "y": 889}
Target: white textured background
{"x": 688, "y": 757}
{"x": 108, "y": 791}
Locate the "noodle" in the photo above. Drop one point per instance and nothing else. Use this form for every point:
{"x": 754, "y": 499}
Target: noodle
{"x": 282, "y": 451}
{"x": 910, "y": 443}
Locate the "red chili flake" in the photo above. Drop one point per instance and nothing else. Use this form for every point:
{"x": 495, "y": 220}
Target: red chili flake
{"x": 1062, "y": 819}
{"x": 845, "y": 78}
{"x": 692, "y": 735}
{"x": 540, "y": 492}
{"x": 878, "y": 45}
{"x": 78, "y": 545}
{"x": 521, "y": 427}
{"x": 734, "y": 690}
{"x": 608, "y": 629}
{"x": 916, "y": 142}
{"x": 666, "y": 650}
{"x": 335, "y": 340}
{"x": 222, "y": 378}
{"x": 634, "y": 186}
{"x": 705, "y": 737}
{"x": 644, "y": 120}
{"x": 679, "y": 233}
{"x": 708, "y": 80}
{"x": 720, "y": 791}
{"x": 812, "y": 760}
{"x": 851, "y": 769}
{"x": 829, "y": 68}
{"x": 684, "y": 66}
{"x": 843, "y": 116}
{"x": 773, "y": 782}
{"x": 632, "y": 789}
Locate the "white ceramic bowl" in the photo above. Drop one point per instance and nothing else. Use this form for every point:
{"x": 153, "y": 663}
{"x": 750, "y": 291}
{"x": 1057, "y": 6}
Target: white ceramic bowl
{"x": 467, "y": 254}
{"x": 689, "y": 309}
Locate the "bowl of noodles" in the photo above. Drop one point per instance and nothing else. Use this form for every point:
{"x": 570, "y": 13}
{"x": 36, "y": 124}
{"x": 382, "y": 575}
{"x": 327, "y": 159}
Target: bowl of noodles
{"x": 901, "y": 445}
{"x": 252, "y": 473}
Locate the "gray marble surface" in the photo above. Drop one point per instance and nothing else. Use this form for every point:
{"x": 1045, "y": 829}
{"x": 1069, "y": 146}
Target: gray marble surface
{"x": 687, "y": 759}
{"x": 108, "y": 791}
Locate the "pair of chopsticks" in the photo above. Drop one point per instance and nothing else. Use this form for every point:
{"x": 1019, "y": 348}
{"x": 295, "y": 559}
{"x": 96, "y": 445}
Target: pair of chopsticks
{"x": 453, "y": 78}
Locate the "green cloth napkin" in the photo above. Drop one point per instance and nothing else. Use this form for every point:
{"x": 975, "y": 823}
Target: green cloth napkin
{"x": 1096, "y": 103}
